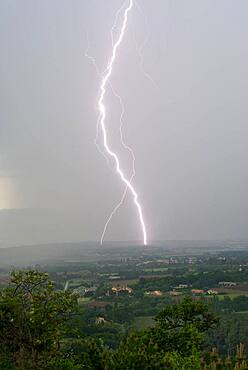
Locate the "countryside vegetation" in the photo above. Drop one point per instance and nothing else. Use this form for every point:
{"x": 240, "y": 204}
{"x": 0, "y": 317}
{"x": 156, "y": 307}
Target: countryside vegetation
{"x": 43, "y": 326}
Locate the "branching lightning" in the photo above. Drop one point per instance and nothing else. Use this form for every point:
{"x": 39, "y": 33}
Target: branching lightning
{"x": 142, "y": 46}
{"x": 115, "y": 209}
{"x": 148, "y": 76}
{"x": 128, "y": 148}
{"x": 93, "y": 61}
{"x": 102, "y": 118}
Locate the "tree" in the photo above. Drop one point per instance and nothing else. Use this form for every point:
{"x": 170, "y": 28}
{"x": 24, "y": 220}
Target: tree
{"x": 180, "y": 327}
{"x": 174, "y": 343}
{"x": 33, "y": 320}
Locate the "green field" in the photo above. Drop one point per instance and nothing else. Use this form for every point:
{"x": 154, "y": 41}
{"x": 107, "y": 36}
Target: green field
{"x": 231, "y": 295}
{"x": 73, "y": 283}
{"x": 158, "y": 269}
{"x": 129, "y": 282}
{"x": 143, "y": 322}
{"x": 82, "y": 301}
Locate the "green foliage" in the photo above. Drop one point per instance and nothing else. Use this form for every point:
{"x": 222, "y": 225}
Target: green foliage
{"x": 38, "y": 330}
{"x": 173, "y": 343}
{"x": 32, "y": 319}
{"x": 180, "y": 327}
{"x": 139, "y": 351}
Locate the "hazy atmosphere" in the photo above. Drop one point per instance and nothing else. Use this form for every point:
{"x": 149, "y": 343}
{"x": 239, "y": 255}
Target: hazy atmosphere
{"x": 123, "y": 185}
{"x": 188, "y": 129}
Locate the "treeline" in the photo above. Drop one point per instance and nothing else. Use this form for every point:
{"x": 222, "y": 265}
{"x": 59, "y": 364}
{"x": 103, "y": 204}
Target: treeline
{"x": 201, "y": 280}
{"x": 39, "y": 329}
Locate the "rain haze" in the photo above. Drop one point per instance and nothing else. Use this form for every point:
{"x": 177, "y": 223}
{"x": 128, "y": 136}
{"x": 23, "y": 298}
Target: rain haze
{"x": 188, "y": 129}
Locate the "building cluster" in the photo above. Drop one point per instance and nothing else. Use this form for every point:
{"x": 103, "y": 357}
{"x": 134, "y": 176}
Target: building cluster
{"x": 227, "y": 284}
{"x": 122, "y": 290}
{"x": 154, "y": 293}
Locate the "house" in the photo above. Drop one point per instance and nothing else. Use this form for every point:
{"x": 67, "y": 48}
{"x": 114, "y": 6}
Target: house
{"x": 100, "y": 320}
{"x": 85, "y": 291}
{"x": 122, "y": 290}
{"x": 173, "y": 261}
{"x": 155, "y": 293}
{"x": 212, "y": 292}
{"x": 182, "y": 286}
{"x": 197, "y": 291}
{"x": 114, "y": 277}
{"x": 164, "y": 261}
{"x": 227, "y": 284}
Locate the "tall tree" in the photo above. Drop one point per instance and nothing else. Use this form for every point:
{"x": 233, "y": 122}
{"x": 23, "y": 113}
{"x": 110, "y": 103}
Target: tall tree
{"x": 32, "y": 319}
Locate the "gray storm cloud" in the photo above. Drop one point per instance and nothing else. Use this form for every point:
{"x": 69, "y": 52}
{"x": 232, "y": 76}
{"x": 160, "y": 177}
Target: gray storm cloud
{"x": 189, "y": 134}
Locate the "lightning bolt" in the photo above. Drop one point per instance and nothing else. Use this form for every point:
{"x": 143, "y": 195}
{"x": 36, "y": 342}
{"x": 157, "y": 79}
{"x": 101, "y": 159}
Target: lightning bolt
{"x": 102, "y": 118}
{"x": 115, "y": 209}
{"x": 94, "y": 63}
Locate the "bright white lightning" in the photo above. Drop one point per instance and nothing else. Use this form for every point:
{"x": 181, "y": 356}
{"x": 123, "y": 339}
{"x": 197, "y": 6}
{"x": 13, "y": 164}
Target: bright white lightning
{"x": 115, "y": 209}
{"x": 146, "y": 74}
{"x": 105, "y": 80}
{"x": 93, "y": 61}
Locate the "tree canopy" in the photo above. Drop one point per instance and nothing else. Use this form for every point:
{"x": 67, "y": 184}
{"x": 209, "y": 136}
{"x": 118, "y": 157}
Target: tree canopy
{"x": 37, "y": 331}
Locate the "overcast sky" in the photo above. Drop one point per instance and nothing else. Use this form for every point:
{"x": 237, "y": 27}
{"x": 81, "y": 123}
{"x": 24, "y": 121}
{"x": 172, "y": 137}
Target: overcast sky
{"x": 189, "y": 130}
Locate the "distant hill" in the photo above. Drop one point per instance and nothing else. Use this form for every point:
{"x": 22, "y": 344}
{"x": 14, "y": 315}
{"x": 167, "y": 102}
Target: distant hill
{"x": 33, "y": 254}
{"x": 38, "y": 226}
{"x": 71, "y": 252}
